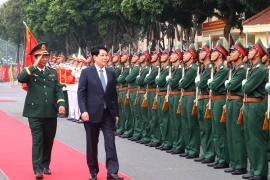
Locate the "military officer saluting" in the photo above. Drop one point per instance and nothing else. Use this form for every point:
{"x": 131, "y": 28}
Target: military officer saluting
{"x": 43, "y": 100}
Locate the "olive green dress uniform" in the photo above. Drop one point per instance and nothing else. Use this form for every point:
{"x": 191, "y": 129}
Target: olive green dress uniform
{"x": 125, "y": 110}
{"x": 190, "y": 125}
{"x": 175, "y": 119}
{"x": 205, "y": 125}
{"x": 44, "y": 96}
{"x": 235, "y": 132}
{"x": 120, "y": 125}
{"x": 143, "y": 120}
{"x": 253, "y": 120}
{"x": 132, "y": 89}
{"x": 218, "y": 128}
{"x": 152, "y": 113}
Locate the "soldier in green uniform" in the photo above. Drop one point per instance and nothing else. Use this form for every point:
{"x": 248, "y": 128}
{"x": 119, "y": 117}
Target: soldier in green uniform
{"x": 163, "y": 115}
{"x": 151, "y": 94}
{"x": 125, "y": 59}
{"x": 218, "y": 100}
{"x": 175, "y": 93}
{"x": 235, "y": 132}
{"x": 205, "y": 124}
{"x": 110, "y": 61}
{"x": 43, "y": 100}
{"x": 118, "y": 68}
{"x": 254, "y": 110}
{"x": 142, "y": 125}
{"x": 190, "y": 123}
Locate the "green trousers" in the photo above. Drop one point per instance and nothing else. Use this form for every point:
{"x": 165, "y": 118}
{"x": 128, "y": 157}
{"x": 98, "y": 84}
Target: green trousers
{"x": 145, "y": 121}
{"x": 153, "y": 119}
{"x": 176, "y": 123}
{"x": 130, "y": 114}
{"x": 190, "y": 126}
{"x": 138, "y": 124}
{"x": 43, "y": 132}
{"x": 235, "y": 135}
{"x": 122, "y": 118}
{"x": 164, "y": 123}
{"x": 66, "y": 103}
{"x": 219, "y": 132}
{"x": 265, "y": 100}
{"x": 256, "y": 138}
{"x": 205, "y": 126}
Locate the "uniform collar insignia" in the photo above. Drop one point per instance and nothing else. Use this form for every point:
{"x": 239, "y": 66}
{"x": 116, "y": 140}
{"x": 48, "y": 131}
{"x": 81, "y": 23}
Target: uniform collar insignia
{"x": 51, "y": 74}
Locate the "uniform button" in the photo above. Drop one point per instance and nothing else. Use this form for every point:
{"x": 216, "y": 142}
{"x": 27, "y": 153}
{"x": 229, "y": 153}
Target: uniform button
{"x": 44, "y": 86}
{"x": 46, "y": 101}
{"x": 32, "y": 104}
{"x": 35, "y": 80}
{"x": 44, "y": 79}
{"x": 46, "y": 93}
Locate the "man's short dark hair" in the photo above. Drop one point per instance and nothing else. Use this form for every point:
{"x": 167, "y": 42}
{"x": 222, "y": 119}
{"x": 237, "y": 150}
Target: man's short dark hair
{"x": 95, "y": 50}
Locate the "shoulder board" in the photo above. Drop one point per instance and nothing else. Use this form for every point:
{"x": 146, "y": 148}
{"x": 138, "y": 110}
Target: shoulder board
{"x": 239, "y": 67}
{"x": 190, "y": 65}
{"x": 167, "y": 66}
{"x": 258, "y": 65}
{"x": 179, "y": 66}
{"x": 221, "y": 67}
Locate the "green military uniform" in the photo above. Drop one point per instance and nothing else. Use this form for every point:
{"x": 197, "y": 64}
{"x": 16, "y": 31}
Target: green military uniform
{"x": 142, "y": 125}
{"x": 175, "y": 119}
{"x": 133, "y": 118}
{"x": 235, "y": 132}
{"x": 43, "y": 98}
{"x": 152, "y": 113}
{"x": 254, "y": 116}
{"x": 190, "y": 125}
{"x": 205, "y": 124}
{"x": 122, "y": 94}
{"x": 265, "y": 100}
{"x": 120, "y": 125}
{"x": 163, "y": 115}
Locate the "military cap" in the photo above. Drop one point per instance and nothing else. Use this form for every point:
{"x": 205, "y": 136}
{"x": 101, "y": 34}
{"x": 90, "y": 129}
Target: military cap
{"x": 178, "y": 52}
{"x": 206, "y": 47}
{"x": 146, "y": 53}
{"x": 239, "y": 47}
{"x": 110, "y": 55}
{"x": 192, "y": 50}
{"x": 39, "y": 49}
{"x": 63, "y": 55}
{"x": 219, "y": 47}
{"x": 117, "y": 54}
{"x": 260, "y": 47}
{"x": 138, "y": 53}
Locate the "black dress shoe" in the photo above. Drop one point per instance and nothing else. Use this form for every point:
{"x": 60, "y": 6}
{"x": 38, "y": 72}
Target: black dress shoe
{"x": 39, "y": 175}
{"x": 258, "y": 178}
{"x": 212, "y": 164}
{"x": 184, "y": 155}
{"x": 75, "y": 120}
{"x": 79, "y": 121}
{"x": 158, "y": 147}
{"x": 70, "y": 119}
{"x": 207, "y": 161}
{"x": 247, "y": 176}
{"x": 200, "y": 159}
{"x": 135, "y": 138}
{"x": 93, "y": 176}
{"x": 229, "y": 170}
{"x": 221, "y": 166}
{"x": 192, "y": 156}
{"x": 164, "y": 148}
{"x": 114, "y": 177}
{"x": 239, "y": 172}
{"x": 47, "y": 171}
{"x": 170, "y": 151}
{"x": 147, "y": 144}
{"x": 125, "y": 136}
{"x": 118, "y": 133}
{"x": 154, "y": 144}
{"x": 144, "y": 142}
{"x": 178, "y": 151}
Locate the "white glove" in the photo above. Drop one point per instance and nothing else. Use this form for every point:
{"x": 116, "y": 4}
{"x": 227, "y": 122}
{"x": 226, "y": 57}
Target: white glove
{"x": 267, "y": 84}
{"x": 244, "y": 82}
{"x": 147, "y": 75}
{"x": 209, "y": 81}
{"x": 168, "y": 78}
{"x": 138, "y": 76}
{"x": 226, "y": 82}
{"x": 157, "y": 77}
{"x": 197, "y": 79}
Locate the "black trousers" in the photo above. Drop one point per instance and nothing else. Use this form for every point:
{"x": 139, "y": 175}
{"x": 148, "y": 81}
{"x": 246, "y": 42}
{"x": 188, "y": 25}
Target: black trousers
{"x": 43, "y": 132}
{"x": 107, "y": 126}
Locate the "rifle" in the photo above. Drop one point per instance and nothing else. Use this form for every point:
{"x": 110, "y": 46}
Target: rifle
{"x": 126, "y": 102}
{"x": 165, "y": 106}
{"x": 119, "y": 99}
{"x": 179, "y": 110}
{"x": 155, "y": 105}
{"x": 195, "y": 104}
{"x": 136, "y": 99}
{"x": 266, "y": 116}
{"x": 208, "y": 106}
{"x": 145, "y": 103}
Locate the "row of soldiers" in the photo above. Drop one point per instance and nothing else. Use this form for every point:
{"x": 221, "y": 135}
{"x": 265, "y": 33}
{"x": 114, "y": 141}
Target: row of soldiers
{"x": 170, "y": 101}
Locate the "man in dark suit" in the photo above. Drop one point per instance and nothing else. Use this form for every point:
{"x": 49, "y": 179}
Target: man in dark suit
{"x": 98, "y": 103}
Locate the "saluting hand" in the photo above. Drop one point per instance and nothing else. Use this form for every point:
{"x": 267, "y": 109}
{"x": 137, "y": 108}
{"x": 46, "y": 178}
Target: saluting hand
{"x": 37, "y": 61}
{"x": 62, "y": 110}
{"x": 85, "y": 116}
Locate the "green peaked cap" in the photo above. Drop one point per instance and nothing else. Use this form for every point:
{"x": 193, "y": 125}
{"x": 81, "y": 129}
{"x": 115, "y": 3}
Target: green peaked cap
{"x": 260, "y": 47}
{"x": 192, "y": 50}
{"x": 206, "y": 47}
{"x": 39, "y": 49}
{"x": 239, "y": 47}
{"x": 219, "y": 47}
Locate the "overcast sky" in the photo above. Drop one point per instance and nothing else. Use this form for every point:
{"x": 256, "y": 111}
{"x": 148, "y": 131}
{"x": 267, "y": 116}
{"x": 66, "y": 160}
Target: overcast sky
{"x": 2, "y": 1}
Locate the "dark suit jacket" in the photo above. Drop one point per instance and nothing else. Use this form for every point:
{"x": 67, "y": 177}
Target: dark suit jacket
{"x": 91, "y": 96}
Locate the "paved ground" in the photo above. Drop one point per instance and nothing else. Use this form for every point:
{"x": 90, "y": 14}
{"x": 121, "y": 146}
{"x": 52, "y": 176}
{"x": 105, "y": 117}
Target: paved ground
{"x": 137, "y": 161}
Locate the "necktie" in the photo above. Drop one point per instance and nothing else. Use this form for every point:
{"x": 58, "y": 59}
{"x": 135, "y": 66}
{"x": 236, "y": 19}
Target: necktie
{"x": 102, "y": 79}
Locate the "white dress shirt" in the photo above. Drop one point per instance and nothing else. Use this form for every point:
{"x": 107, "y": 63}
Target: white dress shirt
{"x": 41, "y": 69}
{"x": 104, "y": 73}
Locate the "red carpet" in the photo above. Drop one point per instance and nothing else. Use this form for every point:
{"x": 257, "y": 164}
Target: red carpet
{"x": 15, "y": 155}
{"x": 7, "y": 100}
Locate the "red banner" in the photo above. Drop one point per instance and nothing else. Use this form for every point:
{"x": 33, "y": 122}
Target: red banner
{"x": 5, "y": 75}
{"x": 31, "y": 42}
{"x": 213, "y": 25}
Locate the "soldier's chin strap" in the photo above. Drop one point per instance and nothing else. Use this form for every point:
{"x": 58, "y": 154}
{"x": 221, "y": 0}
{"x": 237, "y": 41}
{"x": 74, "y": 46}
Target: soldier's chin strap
{"x": 254, "y": 54}
{"x": 217, "y": 57}
{"x": 204, "y": 57}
